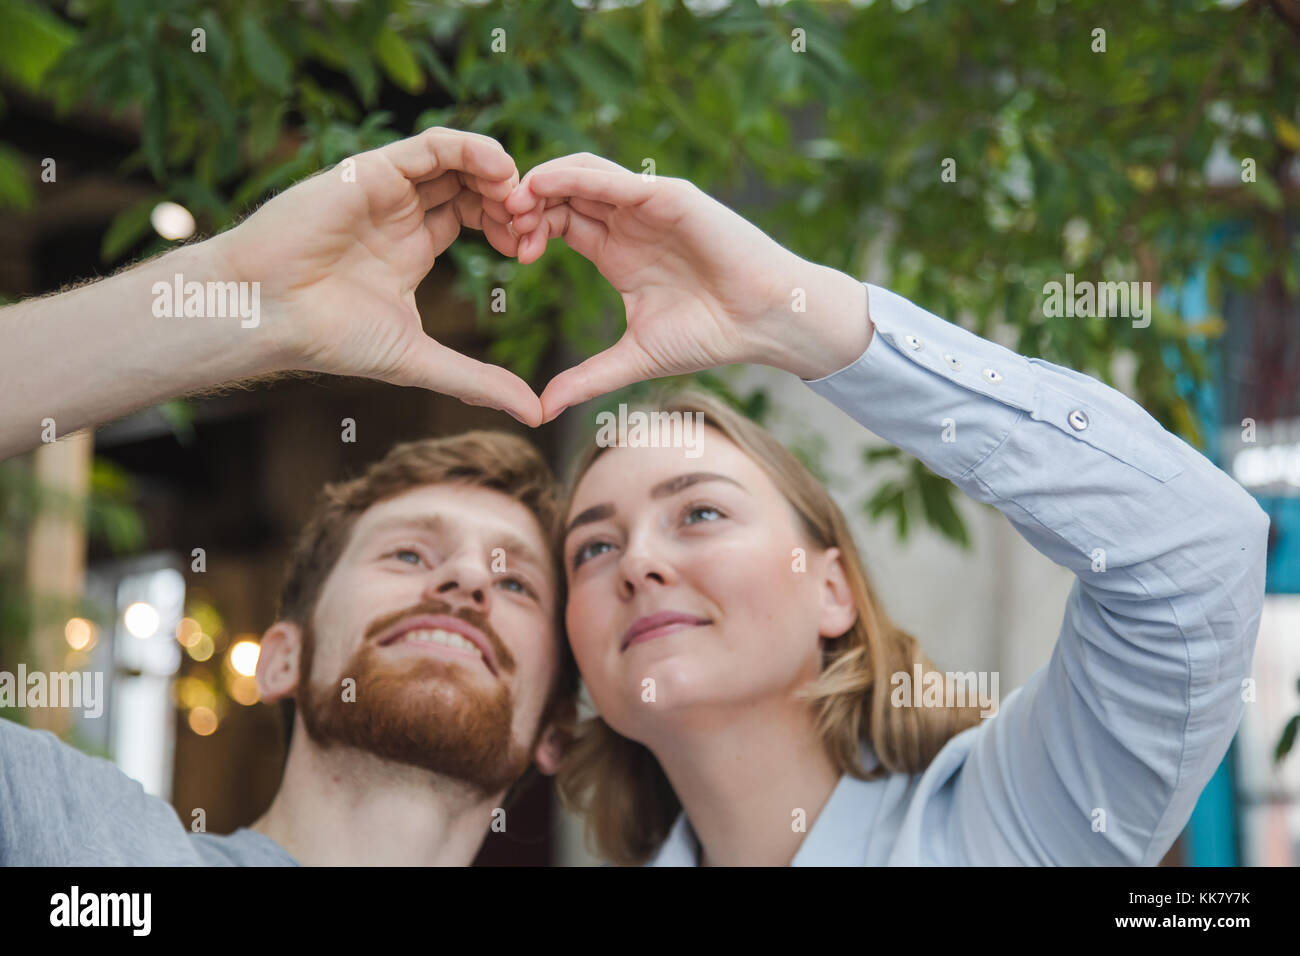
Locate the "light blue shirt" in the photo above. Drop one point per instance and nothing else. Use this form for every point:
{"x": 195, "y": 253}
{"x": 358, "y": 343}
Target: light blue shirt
{"x": 1144, "y": 689}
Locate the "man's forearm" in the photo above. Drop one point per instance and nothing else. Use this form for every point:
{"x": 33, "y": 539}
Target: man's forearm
{"x": 103, "y": 350}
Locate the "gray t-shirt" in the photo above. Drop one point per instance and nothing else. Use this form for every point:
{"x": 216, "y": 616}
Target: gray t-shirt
{"x": 61, "y": 807}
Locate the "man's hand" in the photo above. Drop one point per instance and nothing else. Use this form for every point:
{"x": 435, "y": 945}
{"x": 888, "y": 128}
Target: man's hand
{"x": 702, "y": 287}
{"x": 339, "y": 257}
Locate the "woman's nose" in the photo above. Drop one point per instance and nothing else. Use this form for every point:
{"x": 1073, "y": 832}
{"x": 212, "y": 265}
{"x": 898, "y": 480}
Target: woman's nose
{"x": 642, "y": 566}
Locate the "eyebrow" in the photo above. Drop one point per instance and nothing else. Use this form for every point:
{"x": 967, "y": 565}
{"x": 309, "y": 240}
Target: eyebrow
{"x": 665, "y": 488}
{"x": 512, "y": 544}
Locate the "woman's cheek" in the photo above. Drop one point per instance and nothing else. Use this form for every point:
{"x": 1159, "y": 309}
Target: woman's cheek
{"x": 586, "y": 626}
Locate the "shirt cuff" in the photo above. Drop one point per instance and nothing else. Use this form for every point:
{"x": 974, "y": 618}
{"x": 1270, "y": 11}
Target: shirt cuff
{"x": 932, "y": 388}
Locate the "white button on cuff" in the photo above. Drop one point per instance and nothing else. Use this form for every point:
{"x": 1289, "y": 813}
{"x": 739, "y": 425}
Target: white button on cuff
{"x": 993, "y": 375}
{"x": 953, "y": 363}
{"x": 1078, "y": 420}
{"x": 912, "y": 341}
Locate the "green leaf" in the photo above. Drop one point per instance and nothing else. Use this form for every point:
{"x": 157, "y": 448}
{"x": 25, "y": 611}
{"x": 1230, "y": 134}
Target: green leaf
{"x": 32, "y": 38}
{"x": 265, "y": 60}
{"x": 1287, "y": 740}
{"x": 399, "y": 62}
{"x": 940, "y": 512}
{"x": 881, "y": 453}
{"x": 16, "y": 190}
{"x": 450, "y": 84}
{"x": 265, "y": 129}
{"x": 127, "y": 228}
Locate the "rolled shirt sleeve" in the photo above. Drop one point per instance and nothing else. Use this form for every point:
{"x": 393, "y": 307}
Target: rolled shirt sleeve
{"x": 1100, "y": 757}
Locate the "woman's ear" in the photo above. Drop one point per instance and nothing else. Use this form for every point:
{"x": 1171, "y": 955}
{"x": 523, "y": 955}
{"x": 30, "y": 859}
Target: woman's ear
{"x": 838, "y": 610}
{"x": 277, "y": 661}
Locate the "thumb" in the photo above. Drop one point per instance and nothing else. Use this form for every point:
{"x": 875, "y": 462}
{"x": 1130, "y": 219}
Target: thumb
{"x": 623, "y": 363}
{"x": 432, "y": 365}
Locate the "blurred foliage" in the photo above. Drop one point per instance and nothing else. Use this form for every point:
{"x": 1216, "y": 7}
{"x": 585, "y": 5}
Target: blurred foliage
{"x": 107, "y": 515}
{"x": 1067, "y": 159}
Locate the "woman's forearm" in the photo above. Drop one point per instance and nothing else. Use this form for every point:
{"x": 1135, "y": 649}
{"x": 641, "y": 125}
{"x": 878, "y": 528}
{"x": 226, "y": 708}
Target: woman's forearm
{"x": 111, "y": 347}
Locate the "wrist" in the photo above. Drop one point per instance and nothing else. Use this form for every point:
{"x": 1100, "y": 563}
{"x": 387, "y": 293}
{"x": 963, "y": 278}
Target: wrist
{"x": 820, "y": 322}
{"x": 250, "y": 324}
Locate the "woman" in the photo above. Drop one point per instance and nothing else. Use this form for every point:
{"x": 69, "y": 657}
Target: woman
{"x": 742, "y": 667}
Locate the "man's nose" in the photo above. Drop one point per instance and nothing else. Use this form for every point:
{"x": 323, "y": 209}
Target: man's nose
{"x": 461, "y": 579}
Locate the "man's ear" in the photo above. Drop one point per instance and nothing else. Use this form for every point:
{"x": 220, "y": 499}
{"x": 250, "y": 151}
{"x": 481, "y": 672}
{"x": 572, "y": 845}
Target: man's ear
{"x": 838, "y": 612}
{"x": 557, "y": 737}
{"x": 277, "y": 663}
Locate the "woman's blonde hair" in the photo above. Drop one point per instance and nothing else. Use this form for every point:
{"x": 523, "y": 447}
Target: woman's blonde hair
{"x": 618, "y": 785}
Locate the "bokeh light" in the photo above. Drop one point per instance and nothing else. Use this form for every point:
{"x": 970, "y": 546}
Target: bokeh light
{"x": 80, "y": 634}
{"x": 243, "y": 657}
{"x": 172, "y": 221}
{"x": 201, "y": 649}
{"x": 244, "y": 690}
{"x": 188, "y": 631}
{"x": 203, "y": 721}
{"x": 141, "y": 619}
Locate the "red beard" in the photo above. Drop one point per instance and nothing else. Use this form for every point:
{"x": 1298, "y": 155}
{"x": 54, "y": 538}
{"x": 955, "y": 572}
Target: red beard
{"x": 418, "y": 710}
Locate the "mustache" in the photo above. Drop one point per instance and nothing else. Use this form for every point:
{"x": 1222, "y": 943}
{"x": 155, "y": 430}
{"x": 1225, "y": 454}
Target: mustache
{"x": 472, "y": 616}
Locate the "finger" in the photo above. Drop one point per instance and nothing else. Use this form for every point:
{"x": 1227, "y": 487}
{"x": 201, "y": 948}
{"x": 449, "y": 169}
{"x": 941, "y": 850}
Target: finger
{"x": 620, "y": 188}
{"x": 493, "y": 188}
{"x": 437, "y": 191}
{"x": 469, "y": 208}
{"x": 465, "y": 209}
{"x": 582, "y": 234}
{"x": 496, "y": 210}
{"x": 530, "y": 220}
{"x": 592, "y": 208}
{"x": 620, "y": 365}
{"x": 599, "y": 211}
{"x": 443, "y": 225}
{"x": 521, "y": 199}
{"x": 438, "y": 149}
{"x": 500, "y": 237}
{"x": 432, "y": 365}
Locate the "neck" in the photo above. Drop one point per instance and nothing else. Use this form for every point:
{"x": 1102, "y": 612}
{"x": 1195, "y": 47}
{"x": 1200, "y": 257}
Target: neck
{"x": 345, "y": 807}
{"x": 741, "y": 773}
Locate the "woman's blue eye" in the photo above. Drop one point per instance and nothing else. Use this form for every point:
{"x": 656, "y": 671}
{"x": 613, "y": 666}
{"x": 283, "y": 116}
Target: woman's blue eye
{"x": 583, "y": 553}
{"x": 695, "y": 511}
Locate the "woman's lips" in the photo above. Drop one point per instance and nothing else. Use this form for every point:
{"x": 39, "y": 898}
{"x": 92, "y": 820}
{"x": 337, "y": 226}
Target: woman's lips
{"x": 642, "y": 633}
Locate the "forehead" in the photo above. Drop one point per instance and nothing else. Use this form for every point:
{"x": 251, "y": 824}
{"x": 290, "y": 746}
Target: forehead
{"x": 627, "y": 473}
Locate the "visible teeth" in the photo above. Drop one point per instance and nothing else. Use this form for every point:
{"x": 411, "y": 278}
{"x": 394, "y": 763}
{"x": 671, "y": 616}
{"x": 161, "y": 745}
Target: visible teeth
{"x": 449, "y": 638}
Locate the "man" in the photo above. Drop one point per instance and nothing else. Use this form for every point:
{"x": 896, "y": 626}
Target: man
{"x": 419, "y": 620}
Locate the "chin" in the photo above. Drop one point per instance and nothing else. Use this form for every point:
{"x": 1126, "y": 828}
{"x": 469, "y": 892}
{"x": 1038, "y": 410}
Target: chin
{"x": 679, "y": 682}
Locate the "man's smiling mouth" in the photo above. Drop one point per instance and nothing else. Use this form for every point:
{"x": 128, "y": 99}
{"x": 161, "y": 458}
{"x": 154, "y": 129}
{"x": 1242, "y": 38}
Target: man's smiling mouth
{"x": 443, "y": 634}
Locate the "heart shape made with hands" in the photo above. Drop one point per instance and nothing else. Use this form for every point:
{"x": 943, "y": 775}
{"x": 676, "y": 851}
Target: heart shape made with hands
{"x": 701, "y": 286}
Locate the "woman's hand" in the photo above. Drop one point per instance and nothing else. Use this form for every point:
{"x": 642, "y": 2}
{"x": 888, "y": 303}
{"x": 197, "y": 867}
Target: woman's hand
{"x": 339, "y": 257}
{"x": 702, "y": 287}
